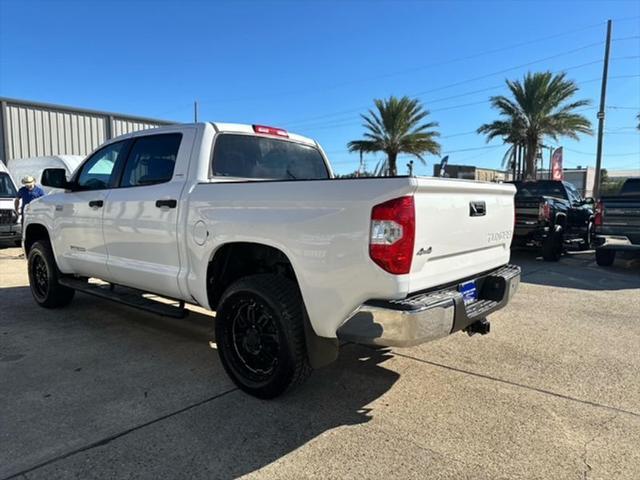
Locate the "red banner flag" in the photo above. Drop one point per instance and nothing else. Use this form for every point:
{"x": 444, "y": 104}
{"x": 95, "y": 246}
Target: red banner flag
{"x": 557, "y": 173}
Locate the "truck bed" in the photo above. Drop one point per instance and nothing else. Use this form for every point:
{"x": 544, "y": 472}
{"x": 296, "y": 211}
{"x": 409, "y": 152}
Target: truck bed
{"x": 323, "y": 226}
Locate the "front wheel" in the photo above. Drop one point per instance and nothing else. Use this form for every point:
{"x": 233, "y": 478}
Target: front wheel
{"x": 605, "y": 258}
{"x": 587, "y": 241}
{"x": 44, "y": 276}
{"x": 260, "y": 335}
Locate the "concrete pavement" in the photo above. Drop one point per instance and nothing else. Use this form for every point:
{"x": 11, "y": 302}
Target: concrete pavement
{"x": 98, "y": 390}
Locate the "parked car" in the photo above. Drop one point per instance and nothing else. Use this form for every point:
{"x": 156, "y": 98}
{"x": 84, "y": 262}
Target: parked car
{"x": 550, "y": 215}
{"x": 10, "y": 226}
{"x": 34, "y": 166}
{"x": 249, "y": 221}
{"x": 617, "y": 223}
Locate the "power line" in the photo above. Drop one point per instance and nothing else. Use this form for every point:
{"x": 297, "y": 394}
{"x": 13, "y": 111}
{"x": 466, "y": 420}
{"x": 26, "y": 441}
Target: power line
{"x": 302, "y": 123}
{"x": 414, "y": 69}
{"x": 351, "y": 121}
{"x": 607, "y": 155}
{"x": 455, "y": 84}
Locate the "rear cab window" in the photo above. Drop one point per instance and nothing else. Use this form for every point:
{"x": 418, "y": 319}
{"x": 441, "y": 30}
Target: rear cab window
{"x": 256, "y": 157}
{"x": 541, "y": 188}
{"x": 631, "y": 186}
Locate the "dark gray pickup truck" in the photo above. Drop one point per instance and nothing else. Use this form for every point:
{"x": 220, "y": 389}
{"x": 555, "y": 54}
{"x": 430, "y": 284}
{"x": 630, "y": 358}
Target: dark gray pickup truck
{"x": 617, "y": 223}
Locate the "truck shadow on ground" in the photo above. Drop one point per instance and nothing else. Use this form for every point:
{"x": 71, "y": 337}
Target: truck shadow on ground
{"x": 102, "y": 389}
{"x": 578, "y": 270}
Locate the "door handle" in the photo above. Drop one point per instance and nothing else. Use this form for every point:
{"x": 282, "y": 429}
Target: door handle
{"x": 96, "y": 203}
{"x": 171, "y": 203}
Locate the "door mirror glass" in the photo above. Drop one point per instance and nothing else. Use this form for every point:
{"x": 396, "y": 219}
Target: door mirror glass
{"x": 55, "y": 178}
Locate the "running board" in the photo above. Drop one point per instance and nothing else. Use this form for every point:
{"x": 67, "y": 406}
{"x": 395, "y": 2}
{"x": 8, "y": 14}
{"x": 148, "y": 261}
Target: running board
{"x": 127, "y": 296}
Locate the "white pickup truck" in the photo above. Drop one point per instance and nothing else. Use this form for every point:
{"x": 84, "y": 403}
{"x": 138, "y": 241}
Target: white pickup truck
{"x": 249, "y": 221}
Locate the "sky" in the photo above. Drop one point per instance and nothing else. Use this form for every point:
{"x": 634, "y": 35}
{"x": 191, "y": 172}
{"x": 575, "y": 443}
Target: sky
{"x": 314, "y": 67}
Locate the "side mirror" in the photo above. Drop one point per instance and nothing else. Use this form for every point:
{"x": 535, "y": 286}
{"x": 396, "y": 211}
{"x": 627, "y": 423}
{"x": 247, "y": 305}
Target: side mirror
{"x": 55, "y": 177}
{"x": 589, "y": 201}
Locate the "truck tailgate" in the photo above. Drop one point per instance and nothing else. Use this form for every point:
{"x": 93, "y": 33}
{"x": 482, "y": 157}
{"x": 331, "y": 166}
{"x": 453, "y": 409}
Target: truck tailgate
{"x": 621, "y": 217}
{"x": 463, "y": 228}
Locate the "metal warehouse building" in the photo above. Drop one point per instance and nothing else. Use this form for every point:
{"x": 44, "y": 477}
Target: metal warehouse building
{"x": 32, "y": 129}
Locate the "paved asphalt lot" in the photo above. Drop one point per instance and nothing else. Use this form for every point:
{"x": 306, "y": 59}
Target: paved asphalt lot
{"x": 98, "y": 390}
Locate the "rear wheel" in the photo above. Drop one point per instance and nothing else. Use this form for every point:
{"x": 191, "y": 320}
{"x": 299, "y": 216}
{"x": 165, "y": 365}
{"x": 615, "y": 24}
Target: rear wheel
{"x": 260, "y": 335}
{"x": 44, "y": 276}
{"x": 605, "y": 258}
{"x": 553, "y": 246}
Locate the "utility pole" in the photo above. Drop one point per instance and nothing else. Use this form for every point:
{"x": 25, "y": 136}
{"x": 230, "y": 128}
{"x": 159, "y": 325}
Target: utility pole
{"x": 195, "y": 111}
{"x": 603, "y": 94}
{"x": 520, "y": 152}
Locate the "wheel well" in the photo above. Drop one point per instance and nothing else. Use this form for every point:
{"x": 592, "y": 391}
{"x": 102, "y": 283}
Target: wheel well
{"x": 561, "y": 219}
{"x": 236, "y": 260}
{"x": 34, "y": 233}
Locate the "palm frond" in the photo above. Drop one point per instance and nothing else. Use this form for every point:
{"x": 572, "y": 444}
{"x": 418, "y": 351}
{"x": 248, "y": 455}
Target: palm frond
{"x": 539, "y": 106}
{"x": 395, "y": 126}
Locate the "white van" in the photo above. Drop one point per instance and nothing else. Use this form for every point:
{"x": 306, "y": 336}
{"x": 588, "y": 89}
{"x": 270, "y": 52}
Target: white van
{"x": 21, "y": 167}
{"x": 10, "y": 226}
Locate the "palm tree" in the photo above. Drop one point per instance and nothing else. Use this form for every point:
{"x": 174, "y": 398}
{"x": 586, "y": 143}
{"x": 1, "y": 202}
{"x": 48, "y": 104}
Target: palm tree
{"x": 538, "y": 109}
{"x": 396, "y": 128}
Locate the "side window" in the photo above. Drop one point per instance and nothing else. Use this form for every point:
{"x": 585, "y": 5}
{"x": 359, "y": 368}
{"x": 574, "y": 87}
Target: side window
{"x": 151, "y": 160}
{"x": 96, "y": 172}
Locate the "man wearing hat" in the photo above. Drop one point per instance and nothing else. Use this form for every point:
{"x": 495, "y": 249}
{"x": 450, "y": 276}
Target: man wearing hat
{"x": 27, "y": 193}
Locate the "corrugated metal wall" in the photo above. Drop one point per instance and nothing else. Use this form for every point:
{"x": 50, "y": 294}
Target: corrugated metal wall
{"x": 34, "y": 132}
{"x": 122, "y": 126}
{"x": 29, "y": 129}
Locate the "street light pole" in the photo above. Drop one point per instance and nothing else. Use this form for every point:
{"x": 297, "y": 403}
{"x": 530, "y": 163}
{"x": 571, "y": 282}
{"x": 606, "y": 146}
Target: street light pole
{"x": 603, "y": 94}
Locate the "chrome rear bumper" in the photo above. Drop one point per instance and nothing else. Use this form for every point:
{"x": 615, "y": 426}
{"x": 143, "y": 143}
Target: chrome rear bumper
{"x": 424, "y": 317}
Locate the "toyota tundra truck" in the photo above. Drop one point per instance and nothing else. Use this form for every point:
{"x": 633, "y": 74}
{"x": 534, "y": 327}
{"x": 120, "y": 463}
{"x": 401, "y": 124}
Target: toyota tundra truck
{"x": 249, "y": 221}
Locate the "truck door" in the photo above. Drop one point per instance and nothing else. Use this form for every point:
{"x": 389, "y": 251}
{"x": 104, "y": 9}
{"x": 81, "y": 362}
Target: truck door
{"x": 141, "y": 215}
{"x": 77, "y": 234}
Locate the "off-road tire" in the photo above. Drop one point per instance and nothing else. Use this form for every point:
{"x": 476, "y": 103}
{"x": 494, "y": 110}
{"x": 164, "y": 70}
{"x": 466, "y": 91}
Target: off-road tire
{"x": 279, "y": 301}
{"x": 605, "y": 258}
{"x": 44, "y": 277}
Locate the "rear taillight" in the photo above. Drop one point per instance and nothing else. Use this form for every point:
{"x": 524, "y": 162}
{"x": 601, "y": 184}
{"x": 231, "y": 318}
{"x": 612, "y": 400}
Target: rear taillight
{"x": 278, "y": 132}
{"x": 393, "y": 229}
{"x": 599, "y": 214}
{"x": 544, "y": 211}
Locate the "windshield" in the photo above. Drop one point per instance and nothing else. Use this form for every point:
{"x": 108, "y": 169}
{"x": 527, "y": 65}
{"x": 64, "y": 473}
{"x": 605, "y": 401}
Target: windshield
{"x": 538, "y": 189}
{"x": 7, "y": 190}
{"x": 248, "y": 156}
